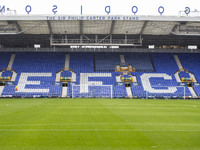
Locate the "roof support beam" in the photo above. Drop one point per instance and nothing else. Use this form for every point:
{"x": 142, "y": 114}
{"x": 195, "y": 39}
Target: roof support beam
{"x": 96, "y": 38}
{"x": 81, "y": 27}
{"x": 24, "y": 30}
{"x": 81, "y": 30}
{"x": 18, "y": 26}
{"x": 112, "y": 27}
{"x": 175, "y": 33}
{"x": 175, "y": 28}
{"x": 49, "y": 26}
{"x": 143, "y": 27}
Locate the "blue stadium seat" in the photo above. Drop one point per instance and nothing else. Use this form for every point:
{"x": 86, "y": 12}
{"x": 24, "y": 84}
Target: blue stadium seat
{"x": 51, "y": 63}
{"x": 192, "y": 63}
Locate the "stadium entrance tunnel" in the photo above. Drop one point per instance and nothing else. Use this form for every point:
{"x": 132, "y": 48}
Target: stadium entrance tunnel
{"x": 65, "y": 84}
{"x": 190, "y": 84}
{"x": 128, "y": 85}
{"x": 2, "y": 83}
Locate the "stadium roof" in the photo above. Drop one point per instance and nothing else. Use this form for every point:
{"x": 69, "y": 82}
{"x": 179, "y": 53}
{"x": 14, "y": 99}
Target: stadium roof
{"x": 100, "y": 25}
{"x": 151, "y": 25}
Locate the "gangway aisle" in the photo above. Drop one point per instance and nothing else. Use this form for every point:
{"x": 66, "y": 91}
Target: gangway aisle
{"x": 129, "y": 92}
{"x": 1, "y": 90}
{"x": 64, "y": 91}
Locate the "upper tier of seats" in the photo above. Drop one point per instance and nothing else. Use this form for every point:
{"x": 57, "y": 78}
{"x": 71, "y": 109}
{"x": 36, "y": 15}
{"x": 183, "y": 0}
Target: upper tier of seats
{"x": 4, "y": 60}
{"x": 140, "y": 61}
{"x": 108, "y": 61}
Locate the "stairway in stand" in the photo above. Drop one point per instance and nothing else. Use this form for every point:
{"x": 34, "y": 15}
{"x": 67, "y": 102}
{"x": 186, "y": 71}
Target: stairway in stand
{"x": 129, "y": 92}
{"x": 64, "y": 91}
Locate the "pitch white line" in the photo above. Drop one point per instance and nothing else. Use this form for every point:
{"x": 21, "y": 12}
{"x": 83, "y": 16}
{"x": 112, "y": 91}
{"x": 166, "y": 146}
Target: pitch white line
{"x": 104, "y": 130}
{"x": 68, "y": 124}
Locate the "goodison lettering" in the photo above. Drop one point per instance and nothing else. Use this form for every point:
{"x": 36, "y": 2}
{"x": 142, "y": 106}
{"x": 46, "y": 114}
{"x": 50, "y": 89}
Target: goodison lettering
{"x": 107, "y": 9}
{"x": 2, "y": 9}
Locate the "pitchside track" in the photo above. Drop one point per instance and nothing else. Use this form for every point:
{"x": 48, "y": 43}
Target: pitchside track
{"x": 98, "y": 124}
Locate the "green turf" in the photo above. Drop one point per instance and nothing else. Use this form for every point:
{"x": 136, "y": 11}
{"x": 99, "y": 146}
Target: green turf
{"x": 98, "y": 124}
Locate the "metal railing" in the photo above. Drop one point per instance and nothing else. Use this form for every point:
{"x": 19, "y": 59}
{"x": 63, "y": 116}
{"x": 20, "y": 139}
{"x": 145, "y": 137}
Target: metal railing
{"x": 126, "y": 42}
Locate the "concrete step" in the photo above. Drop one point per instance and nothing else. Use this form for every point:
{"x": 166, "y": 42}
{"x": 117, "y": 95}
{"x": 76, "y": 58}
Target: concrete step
{"x": 194, "y": 95}
{"x": 193, "y": 77}
{"x": 67, "y": 60}
{"x": 64, "y": 91}
{"x": 73, "y": 77}
{"x": 178, "y": 62}
{"x": 58, "y": 76}
{"x": 118, "y": 79}
{"x": 122, "y": 59}
{"x": 14, "y": 75}
{"x": 12, "y": 58}
{"x": 129, "y": 92}
{"x": 177, "y": 77}
{"x": 1, "y": 90}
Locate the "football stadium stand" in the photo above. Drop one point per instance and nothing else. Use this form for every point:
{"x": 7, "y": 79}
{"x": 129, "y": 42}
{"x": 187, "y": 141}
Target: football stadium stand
{"x": 156, "y": 75}
{"x": 192, "y": 63}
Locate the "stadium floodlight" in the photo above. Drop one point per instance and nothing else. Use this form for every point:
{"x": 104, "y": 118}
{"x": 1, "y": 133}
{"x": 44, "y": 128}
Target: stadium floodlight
{"x": 192, "y": 46}
{"x": 114, "y": 47}
{"x": 151, "y": 46}
{"x": 36, "y": 46}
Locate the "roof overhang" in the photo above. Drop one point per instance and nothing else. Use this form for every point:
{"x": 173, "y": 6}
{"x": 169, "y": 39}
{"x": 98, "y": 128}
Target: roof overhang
{"x": 98, "y": 30}
{"x": 101, "y": 17}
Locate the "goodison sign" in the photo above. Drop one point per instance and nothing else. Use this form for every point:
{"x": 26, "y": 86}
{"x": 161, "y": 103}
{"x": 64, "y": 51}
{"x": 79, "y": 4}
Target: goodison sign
{"x": 107, "y": 9}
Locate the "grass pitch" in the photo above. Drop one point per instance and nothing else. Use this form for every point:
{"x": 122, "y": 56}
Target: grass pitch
{"x": 99, "y": 124}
